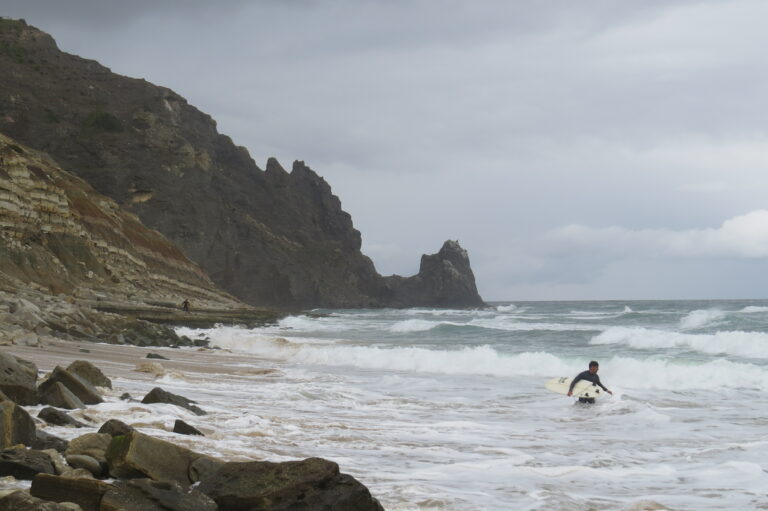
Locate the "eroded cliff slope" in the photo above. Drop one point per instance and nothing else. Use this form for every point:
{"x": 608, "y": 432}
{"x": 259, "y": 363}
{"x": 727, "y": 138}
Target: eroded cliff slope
{"x": 60, "y": 236}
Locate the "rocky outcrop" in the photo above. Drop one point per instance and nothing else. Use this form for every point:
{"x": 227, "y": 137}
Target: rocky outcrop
{"x": 269, "y": 237}
{"x": 445, "y": 279}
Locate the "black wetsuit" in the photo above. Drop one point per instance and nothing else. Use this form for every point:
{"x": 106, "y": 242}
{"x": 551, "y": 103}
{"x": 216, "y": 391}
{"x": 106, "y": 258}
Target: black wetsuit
{"x": 586, "y": 375}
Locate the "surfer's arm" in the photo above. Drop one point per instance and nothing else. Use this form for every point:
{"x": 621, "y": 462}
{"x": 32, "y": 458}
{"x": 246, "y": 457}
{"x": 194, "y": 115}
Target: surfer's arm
{"x": 574, "y": 382}
{"x": 597, "y": 380}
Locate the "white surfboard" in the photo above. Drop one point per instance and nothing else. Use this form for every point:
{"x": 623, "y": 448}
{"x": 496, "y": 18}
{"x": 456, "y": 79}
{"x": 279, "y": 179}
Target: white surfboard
{"x": 583, "y": 388}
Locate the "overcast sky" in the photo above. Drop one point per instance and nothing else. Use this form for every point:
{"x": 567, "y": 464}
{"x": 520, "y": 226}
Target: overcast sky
{"x": 577, "y": 150}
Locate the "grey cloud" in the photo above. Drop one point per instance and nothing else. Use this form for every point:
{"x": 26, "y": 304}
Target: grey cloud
{"x": 494, "y": 122}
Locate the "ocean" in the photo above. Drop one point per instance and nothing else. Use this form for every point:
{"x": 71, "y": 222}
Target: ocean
{"x": 446, "y": 409}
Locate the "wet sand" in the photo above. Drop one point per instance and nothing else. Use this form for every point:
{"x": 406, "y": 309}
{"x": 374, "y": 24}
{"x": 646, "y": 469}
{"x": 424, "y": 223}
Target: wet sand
{"x": 121, "y": 361}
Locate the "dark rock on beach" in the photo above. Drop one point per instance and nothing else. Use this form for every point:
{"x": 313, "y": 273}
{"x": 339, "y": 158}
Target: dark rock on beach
{"x": 158, "y": 395}
{"x": 24, "y": 463}
{"x": 44, "y": 440}
{"x": 85, "y": 462}
{"x": 90, "y": 373}
{"x": 114, "y": 427}
{"x": 313, "y": 483}
{"x": 183, "y": 428}
{"x": 78, "y": 386}
{"x": 87, "y": 493}
{"x": 58, "y": 418}
{"x": 137, "y": 455}
{"x": 18, "y": 379}
{"x": 149, "y": 495}
{"x": 58, "y": 395}
{"x": 16, "y": 425}
{"x": 23, "y": 501}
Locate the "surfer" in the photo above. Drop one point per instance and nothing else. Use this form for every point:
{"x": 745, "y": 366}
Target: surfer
{"x": 589, "y": 375}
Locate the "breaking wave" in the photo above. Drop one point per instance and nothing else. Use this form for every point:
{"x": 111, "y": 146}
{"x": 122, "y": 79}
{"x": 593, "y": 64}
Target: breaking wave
{"x": 742, "y": 344}
{"x": 619, "y": 371}
{"x": 702, "y": 318}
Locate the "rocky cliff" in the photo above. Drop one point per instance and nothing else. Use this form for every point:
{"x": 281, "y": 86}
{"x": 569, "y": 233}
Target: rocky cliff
{"x": 269, "y": 237}
{"x": 60, "y": 236}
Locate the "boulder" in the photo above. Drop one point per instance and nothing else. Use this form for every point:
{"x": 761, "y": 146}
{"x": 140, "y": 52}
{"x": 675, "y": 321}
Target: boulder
{"x": 137, "y": 455}
{"x": 89, "y": 373}
{"x": 59, "y": 463}
{"x": 114, "y": 427}
{"x": 44, "y": 440}
{"x": 58, "y": 418}
{"x": 90, "y": 444}
{"x": 204, "y": 467}
{"x": 149, "y": 495}
{"x": 23, "y": 501}
{"x": 24, "y": 463}
{"x": 156, "y": 356}
{"x": 183, "y": 428}
{"x": 85, "y": 462}
{"x": 16, "y": 425}
{"x": 158, "y": 395}
{"x": 87, "y": 493}
{"x": 56, "y": 394}
{"x": 77, "y": 473}
{"x": 18, "y": 378}
{"x": 313, "y": 483}
{"x": 79, "y": 387}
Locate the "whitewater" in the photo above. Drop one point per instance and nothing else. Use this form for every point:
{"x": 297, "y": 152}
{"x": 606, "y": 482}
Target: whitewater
{"x": 446, "y": 409}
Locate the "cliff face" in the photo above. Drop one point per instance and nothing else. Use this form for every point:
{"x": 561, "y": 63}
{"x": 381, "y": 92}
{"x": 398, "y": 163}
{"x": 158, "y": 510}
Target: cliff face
{"x": 60, "y": 236}
{"x": 269, "y": 237}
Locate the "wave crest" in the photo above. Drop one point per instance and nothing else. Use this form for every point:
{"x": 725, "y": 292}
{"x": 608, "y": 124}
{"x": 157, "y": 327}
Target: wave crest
{"x": 743, "y": 344}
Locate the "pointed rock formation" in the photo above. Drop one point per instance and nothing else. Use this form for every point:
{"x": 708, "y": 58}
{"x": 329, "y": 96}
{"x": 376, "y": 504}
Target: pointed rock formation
{"x": 445, "y": 279}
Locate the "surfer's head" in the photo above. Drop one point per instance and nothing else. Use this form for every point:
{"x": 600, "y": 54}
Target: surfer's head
{"x": 593, "y": 367}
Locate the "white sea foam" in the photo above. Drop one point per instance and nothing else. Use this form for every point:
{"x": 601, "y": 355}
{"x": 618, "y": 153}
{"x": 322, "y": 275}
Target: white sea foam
{"x": 484, "y": 360}
{"x": 701, "y": 318}
{"x": 673, "y": 376}
{"x": 743, "y": 344}
{"x": 506, "y": 308}
{"x": 751, "y": 309}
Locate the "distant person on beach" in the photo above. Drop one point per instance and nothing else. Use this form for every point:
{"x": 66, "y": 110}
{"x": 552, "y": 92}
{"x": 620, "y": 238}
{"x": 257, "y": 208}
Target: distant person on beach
{"x": 185, "y": 305}
{"x": 589, "y": 375}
